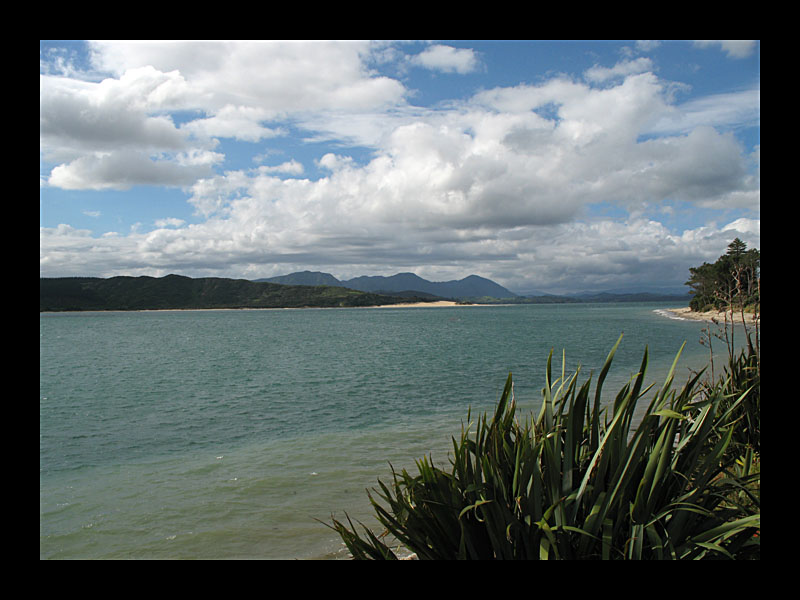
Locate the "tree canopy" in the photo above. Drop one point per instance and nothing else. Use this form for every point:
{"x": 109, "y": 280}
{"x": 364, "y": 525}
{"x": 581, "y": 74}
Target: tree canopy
{"x": 733, "y": 280}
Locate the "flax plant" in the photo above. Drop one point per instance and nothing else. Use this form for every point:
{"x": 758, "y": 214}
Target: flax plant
{"x": 581, "y": 480}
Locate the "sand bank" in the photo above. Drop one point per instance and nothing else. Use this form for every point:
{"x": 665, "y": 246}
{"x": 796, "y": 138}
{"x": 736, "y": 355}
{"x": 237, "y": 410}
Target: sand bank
{"x": 711, "y": 315}
{"x": 422, "y": 304}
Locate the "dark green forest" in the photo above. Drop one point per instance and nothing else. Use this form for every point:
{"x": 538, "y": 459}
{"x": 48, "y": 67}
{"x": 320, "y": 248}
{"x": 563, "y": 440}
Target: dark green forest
{"x": 179, "y": 292}
{"x": 734, "y": 280}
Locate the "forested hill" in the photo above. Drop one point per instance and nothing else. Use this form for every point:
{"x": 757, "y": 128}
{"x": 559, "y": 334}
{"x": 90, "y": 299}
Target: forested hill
{"x": 179, "y": 292}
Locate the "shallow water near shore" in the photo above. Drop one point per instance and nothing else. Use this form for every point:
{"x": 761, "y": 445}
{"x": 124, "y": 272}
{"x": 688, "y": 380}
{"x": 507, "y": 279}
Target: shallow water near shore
{"x": 237, "y": 434}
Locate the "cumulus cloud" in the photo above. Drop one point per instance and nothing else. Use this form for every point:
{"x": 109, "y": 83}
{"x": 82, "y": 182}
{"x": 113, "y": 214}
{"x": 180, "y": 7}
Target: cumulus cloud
{"x": 447, "y": 59}
{"x": 504, "y": 181}
{"x": 123, "y": 169}
{"x": 77, "y": 116}
{"x": 92, "y": 127}
{"x": 235, "y": 122}
{"x": 567, "y": 257}
{"x": 277, "y": 77}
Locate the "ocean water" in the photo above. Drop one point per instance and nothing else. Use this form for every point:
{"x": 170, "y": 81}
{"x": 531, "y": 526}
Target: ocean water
{"x": 239, "y": 434}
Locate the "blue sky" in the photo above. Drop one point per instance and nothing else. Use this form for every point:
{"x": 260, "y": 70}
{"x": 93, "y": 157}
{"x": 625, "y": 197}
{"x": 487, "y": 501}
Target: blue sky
{"x": 552, "y": 166}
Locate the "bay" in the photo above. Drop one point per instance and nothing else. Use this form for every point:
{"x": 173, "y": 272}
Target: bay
{"x": 237, "y": 434}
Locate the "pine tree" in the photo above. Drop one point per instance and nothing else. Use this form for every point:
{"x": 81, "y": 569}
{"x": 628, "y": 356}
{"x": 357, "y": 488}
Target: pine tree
{"x": 737, "y": 249}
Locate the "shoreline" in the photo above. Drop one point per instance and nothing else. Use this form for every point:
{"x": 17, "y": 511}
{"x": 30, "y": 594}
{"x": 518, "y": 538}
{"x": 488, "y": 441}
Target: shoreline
{"x": 437, "y": 304}
{"x": 440, "y": 303}
{"x": 688, "y": 314}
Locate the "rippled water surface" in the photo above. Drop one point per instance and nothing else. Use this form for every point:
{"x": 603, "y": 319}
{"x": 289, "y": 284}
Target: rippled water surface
{"x": 232, "y": 434}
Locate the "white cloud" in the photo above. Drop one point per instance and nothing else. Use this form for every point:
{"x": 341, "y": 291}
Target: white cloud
{"x": 733, "y": 48}
{"x": 76, "y": 117}
{"x": 498, "y": 188}
{"x": 277, "y": 77}
{"x": 622, "y": 69}
{"x": 238, "y": 89}
{"x": 334, "y": 162}
{"x": 290, "y": 167}
{"x": 749, "y": 227}
{"x": 647, "y": 45}
{"x": 122, "y": 170}
{"x": 502, "y": 182}
{"x": 724, "y": 111}
{"x": 170, "y": 222}
{"x": 235, "y": 122}
{"x": 447, "y": 59}
{"x": 105, "y": 135}
{"x": 566, "y": 257}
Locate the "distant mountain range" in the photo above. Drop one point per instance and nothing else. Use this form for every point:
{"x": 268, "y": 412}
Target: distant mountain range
{"x": 306, "y": 289}
{"x": 469, "y": 287}
{"x": 473, "y": 288}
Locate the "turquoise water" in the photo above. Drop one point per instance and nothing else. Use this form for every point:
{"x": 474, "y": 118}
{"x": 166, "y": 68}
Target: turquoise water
{"x": 232, "y": 434}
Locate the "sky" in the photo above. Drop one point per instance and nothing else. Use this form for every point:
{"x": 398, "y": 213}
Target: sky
{"x": 546, "y": 166}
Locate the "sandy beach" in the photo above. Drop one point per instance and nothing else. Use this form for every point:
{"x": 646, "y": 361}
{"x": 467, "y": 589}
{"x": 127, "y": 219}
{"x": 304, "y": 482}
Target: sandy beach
{"x": 422, "y": 304}
{"x": 711, "y": 315}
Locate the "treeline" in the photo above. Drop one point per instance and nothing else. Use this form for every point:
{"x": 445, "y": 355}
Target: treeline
{"x": 179, "y": 292}
{"x": 734, "y": 280}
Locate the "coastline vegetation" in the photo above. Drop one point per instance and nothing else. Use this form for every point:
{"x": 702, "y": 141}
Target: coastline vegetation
{"x": 184, "y": 293}
{"x": 731, "y": 286}
{"x": 733, "y": 281}
{"x": 585, "y": 479}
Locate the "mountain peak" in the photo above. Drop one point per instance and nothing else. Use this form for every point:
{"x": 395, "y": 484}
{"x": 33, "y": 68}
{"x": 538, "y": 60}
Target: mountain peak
{"x": 472, "y": 286}
{"x": 304, "y": 278}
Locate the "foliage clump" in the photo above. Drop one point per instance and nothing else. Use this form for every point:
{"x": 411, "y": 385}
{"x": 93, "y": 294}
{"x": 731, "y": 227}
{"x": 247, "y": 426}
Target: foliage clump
{"x": 732, "y": 281}
{"x": 584, "y": 480}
